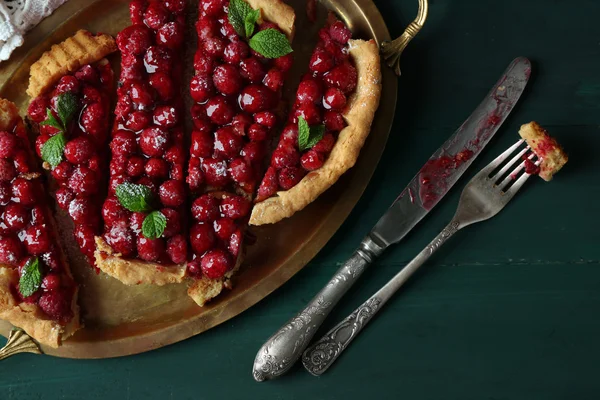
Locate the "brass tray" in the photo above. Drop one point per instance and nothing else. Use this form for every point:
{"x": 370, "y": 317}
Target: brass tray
{"x": 122, "y": 320}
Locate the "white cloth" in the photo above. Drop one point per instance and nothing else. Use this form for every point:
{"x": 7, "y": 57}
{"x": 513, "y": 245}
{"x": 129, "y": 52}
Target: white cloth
{"x": 19, "y": 16}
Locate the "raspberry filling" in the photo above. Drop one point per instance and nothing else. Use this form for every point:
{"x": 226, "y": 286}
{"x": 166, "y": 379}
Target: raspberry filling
{"x": 80, "y": 173}
{"x": 236, "y": 92}
{"x": 25, "y": 230}
{"x": 147, "y": 140}
{"x": 320, "y": 100}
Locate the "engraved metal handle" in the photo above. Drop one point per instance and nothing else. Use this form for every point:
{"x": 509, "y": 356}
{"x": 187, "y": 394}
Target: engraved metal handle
{"x": 319, "y": 357}
{"x": 285, "y": 347}
{"x": 19, "y": 342}
{"x": 392, "y": 50}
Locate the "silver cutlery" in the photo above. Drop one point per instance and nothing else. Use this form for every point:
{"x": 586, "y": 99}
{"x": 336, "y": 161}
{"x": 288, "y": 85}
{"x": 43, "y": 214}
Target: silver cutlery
{"x": 483, "y": 197}
{"x": 426, "y": 189}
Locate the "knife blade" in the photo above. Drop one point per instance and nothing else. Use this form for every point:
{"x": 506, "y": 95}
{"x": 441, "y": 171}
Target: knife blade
{"x": 451, "y": 160}
{"x": 432, "y": 182}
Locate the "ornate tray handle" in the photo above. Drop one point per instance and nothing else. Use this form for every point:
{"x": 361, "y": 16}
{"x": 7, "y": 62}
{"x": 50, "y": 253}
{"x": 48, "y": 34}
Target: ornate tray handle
{"x": 392, "y": 51}
{"x": 19, "y": 342}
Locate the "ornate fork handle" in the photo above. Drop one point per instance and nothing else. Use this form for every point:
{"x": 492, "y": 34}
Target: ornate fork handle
{"x": 285, "y": 347}
{"x": 319, "y": 357}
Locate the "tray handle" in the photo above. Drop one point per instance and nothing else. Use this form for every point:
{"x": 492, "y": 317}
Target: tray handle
{"x": 19, "y": 342}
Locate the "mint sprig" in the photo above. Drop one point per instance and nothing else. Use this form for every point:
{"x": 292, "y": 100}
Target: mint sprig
{"x": 134, "y": 197}
{"x": 270, "y": 43}
{"x": 239, "y": 11}
{"x": 31, "y": 277}
{"x": 53, "y": 149}
{"x": 154, "y": 225}
{"x": 308, "y": 136}
{"x": 66, "y": 108}
{"x": 250, "y": 21}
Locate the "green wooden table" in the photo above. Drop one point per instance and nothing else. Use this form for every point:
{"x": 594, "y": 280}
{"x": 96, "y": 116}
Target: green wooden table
{"x": 507, "y": 310}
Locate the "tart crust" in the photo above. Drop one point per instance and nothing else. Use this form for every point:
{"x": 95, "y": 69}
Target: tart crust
{"x": 359, "y": 116}
{"x": 546, "y": 147}
{"x": 66, "y": 57}
{"x": 27, "y": 316}
{"x": 278, "y": 12}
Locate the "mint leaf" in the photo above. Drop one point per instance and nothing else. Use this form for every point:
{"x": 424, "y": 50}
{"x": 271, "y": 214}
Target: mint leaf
{"x": 154, "y": 225}
{"x": 238, "y": 11}
{"x": 270, "y": 43}
{"x": 51, "y": 121}
{"x": 52, "y": 150}
{"x": 31, "y": 277}
{"x": 250, "y": 21}
{"x": 134, "y": 197}
{"x": 308, "y": 136}
{"x": 66, "y": 107}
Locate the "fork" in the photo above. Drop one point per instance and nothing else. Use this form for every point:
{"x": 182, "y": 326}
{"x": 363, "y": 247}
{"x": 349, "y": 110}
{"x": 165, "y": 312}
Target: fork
{"x": 482, "y": 198}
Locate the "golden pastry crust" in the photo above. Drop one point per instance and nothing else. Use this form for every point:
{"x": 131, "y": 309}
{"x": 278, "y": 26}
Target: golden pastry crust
{"x": 202, "y": 290}
{"x": 359, "y": 116}
{"x": 547, "y": 149}
{"x": 135, "y": 272}
{"x": 67, "y": 57}
{"x": 279, "y": 13}
{"x": 29, "y": 317}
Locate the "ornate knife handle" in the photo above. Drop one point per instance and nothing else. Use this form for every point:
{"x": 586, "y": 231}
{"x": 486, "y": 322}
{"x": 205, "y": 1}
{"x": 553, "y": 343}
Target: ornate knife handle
{"x": 285, "y": 347}
{"x": 319, "y": 357}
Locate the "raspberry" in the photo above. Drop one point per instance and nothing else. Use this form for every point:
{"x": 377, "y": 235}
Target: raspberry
{"x": 215, "y": 172}
{"x": 235, "y": 242}
{"x": 206, "y": 27}
{"x": 93, "y": 119}
{"x": 123, "y": 107}
{"x": 339, "y": 32}
{"x": 83, "y": 181}
{"x": 309, "y": 91}
{"x": 202, "y": 144}
{"x": 170, "y": 35}
{"x": 255, "y": 98}
{"x": 57, "y": 305}
{"x": 134, "y": 40}
{"x": 175, "y": 6}
{"x": 62, "y": 171}
{"x": 216, "y": 263}
{"x": 156, "y": 168}
{"x": 91, "y": 95}
{"x": 8, "y": 145}
{"x": 119, "y": 237}
{"x": 7, "y": 170}
{"x": 214, "y": 47}
{"x": 227, "y": 143}
{"x": 142, "y": 95}
{"x": 321, "y": 61}
{"x": 224, "y": 228}
{"x": 123, "y": 143}
{"x": 51, "y": 282}
{"x": 310, "y": 112}
{"x": 67, "y": 83}
{"x": 78, "y": 150}
{"x": 37, "y": 109}
{"x": 235, "y": 52}
{"x": 284, "y": 63}
{"x": 253, "y": 152}
{"x": 240, "y": 124}
{"x": 228, "y": 31}
{"x": 172, "y": 193}
{"x": 343, "y": 77}
{"x": 195, "y": 176}
{"x": 136, "y": 220}
{"x": 21, "y": 160}
{"x": 219, "y": 110}
{"x": 132, "y": 67}
{"x": 64, "y": 197}
{"x": 205, "y": 208}
{"x": 155, "y": 16}
{"x": 312, "y": 160}
{"x": 138, "y": 120}
{"x": 268, "y": 186}
{"x": 173, "y": 222}
{"x": 16, "y": 216}
{"x": 257, "y": 132}
{"x": 289, "y": 135}
{"x": 202, "y": 238}
{"x": 36, "y": 240}
{"x": 80, "y": 210}
{"x": 265, "y": 118}
{"x": 326, "y": 144}
{"x": 334, "y": 121}
{"x": 240, "y": 171}
{"x": 274, "y": 79}
{"x": 175, "y": 155}
{"x": 10, "y": 250}
{"x": 203, "y": 64}
{"x": 84, "y": 235}
{"x": 113, "y": 211}
{"x": 289, "y": 177}
{"x": 212, "y": 7}
{"x": 136, "y": 11}
{"x": 38, "y": 217}
{"x": 154, "y": 141}
{"x": 24, "y": 191}
{"x": 5, "y": 193}
{"x": 161, "y": 82}
{"x": 201, "y": 88}
{"x": 286, "y": 156}
{"x": 235, "y": 207}
{"x": 334, "y": 99}
{"x": 150, "y": 249}
{"x": 227, "y": 79}
{"x": 252, "y": 69}
{"x": 177, "y": 249}
{"x": 199, "y": 118}
{"x": 157, "y": 59}
{"x": 194, "y": 269}
{"x": 166, "y": 116}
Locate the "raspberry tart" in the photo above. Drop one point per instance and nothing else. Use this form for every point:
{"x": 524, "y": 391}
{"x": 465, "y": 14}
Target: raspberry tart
{"x": 70, "y": 113}
{"x": 329, "y": 123}
{"x": 144, "y": 238}
{"x": 37, "y": 291}
{"x": 237, "y": 92}
{"x": 552, "y": 155}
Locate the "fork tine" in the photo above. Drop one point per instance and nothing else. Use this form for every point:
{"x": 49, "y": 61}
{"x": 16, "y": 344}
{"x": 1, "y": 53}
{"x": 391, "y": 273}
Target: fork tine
{"x": 500, "y": 159}
{"x": 519, "y": 183}
{"x": 509, "y": 165}
{"x": 510, "y": 178}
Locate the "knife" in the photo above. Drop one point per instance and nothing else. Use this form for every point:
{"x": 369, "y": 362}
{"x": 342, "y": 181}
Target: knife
{"x": 424, "y": 191}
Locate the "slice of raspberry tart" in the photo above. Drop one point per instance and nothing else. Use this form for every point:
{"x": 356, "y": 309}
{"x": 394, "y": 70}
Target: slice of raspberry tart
{"x": 144, "y": 215}
{"x": 551, "y": 154}
{"x": 37, "y": 290}
{"x": 242, "y": 60}
{"x": 70, "y": 85}
{"x": 329, "y": 123}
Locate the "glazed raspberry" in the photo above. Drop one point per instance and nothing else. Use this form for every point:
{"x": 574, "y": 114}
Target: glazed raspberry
{"x": 10, "y": 250}
{"x": 202, "y": 237}
{"x": 206, "y": 27}
{"x": 154, "y": 141}
{"x": 120, "y": 238}
{"x": 177, "y": 172}
{"x": 155, "y": 16}
{"x": 257, "y": 132}
{"x": 321, "y": 61}
{"x": 201, "y": 88}
{"x": 334, "y": 121}
{"x": 274, "y": 79}
{"x": 141, "y": 94}
{"x": 135, "y": 221}
{"x": 91, "y": 95}
{"x": 219, "y": 110}
{"x": 268, "y": 186}
{"x": 289, "y": 177}
{"x": 134, "y": 39}
{"x": 194, "y": 269}
{"x": 312, "y": 160}
{"x": 224, "y": 228}
{"x": 203, "y": 64}
{"x": 117, "y": 165}
{"x": 339, "y": 32}
{"x": 215, "y": 172}
{"x": 175, "y": 155}
{"x": 228, "y": 31}
{"x": 5, "y": 193}
{"x": 24, "y": 191}
{"x": 170, "y": 35}
{"x": 51, "y": 282}
{"x": 80, "y": 210}
{"x": 62, "y": 171}
{"x": 7, "y": 171}
{"x": 252, "y": 69}
{"x": 227, "y": 79}
{"x": 202, "y": 144}
{"x": 172, "y": 193}
{"x": 195, "y": 176}
{"x": 166, "y": 116}
{"x": 310, "y": 112}
{"x": 255, "y": 98}
{"x": 240, "y": 124}
{"x": 177, "y": 249}
{"x": 78, "y": 150}
{"x": 212, "y": 7}
{"x": 93, "y": 119}
{"x": 67, "y": 83}
{"x": 253, "y": 152}
{"x": 163, "y": 85}
{"x": 326, "y": 144}
{"x": 216, "y": 263}
{"x": 285, "y": 63}
{"x": 38, "y": 217}
{"x": 8, "y": 145}
{"x": 173, "y": 222}
{"x": 138, "y": 120}
{"x": 214, "y": 47}
{"x": 123, "y": 107}
{"x": 83, "y": 181}
{"x": 285, "y": 157}
{"x": 150, "y": 249}
{"x": 199, "y": 118}
{"x": 136, "y": 11}
{"x": 36, "y": 240}
{"x": 289, "y": 135}
{"x": 21, "y": 160}
{"x": 132, "y": 67}
{"x": 149, "y": 183}
{"x": 37, "y": 109}
{"x": 234, "y": 52}
{"x": 343, "y": 77}
{"x": 205, "y": 208}
{"x": 175, "y": 6}
{"x": 64, "y": 197}
{"x": 115, "y": 181}
{"x": 113, "y": 211}
{"x": 235, "y": 207}
{"x": 16, "y": 216}
{"x": 156, "y": 168}
{"x": 157, "y": 59}
{"x": 334, "y": 99}
{"x": 227, "y": 143}
{"x": 57, "y": 305}
{"x": 240, "y": 171}
{"x": 85, "y": 238}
